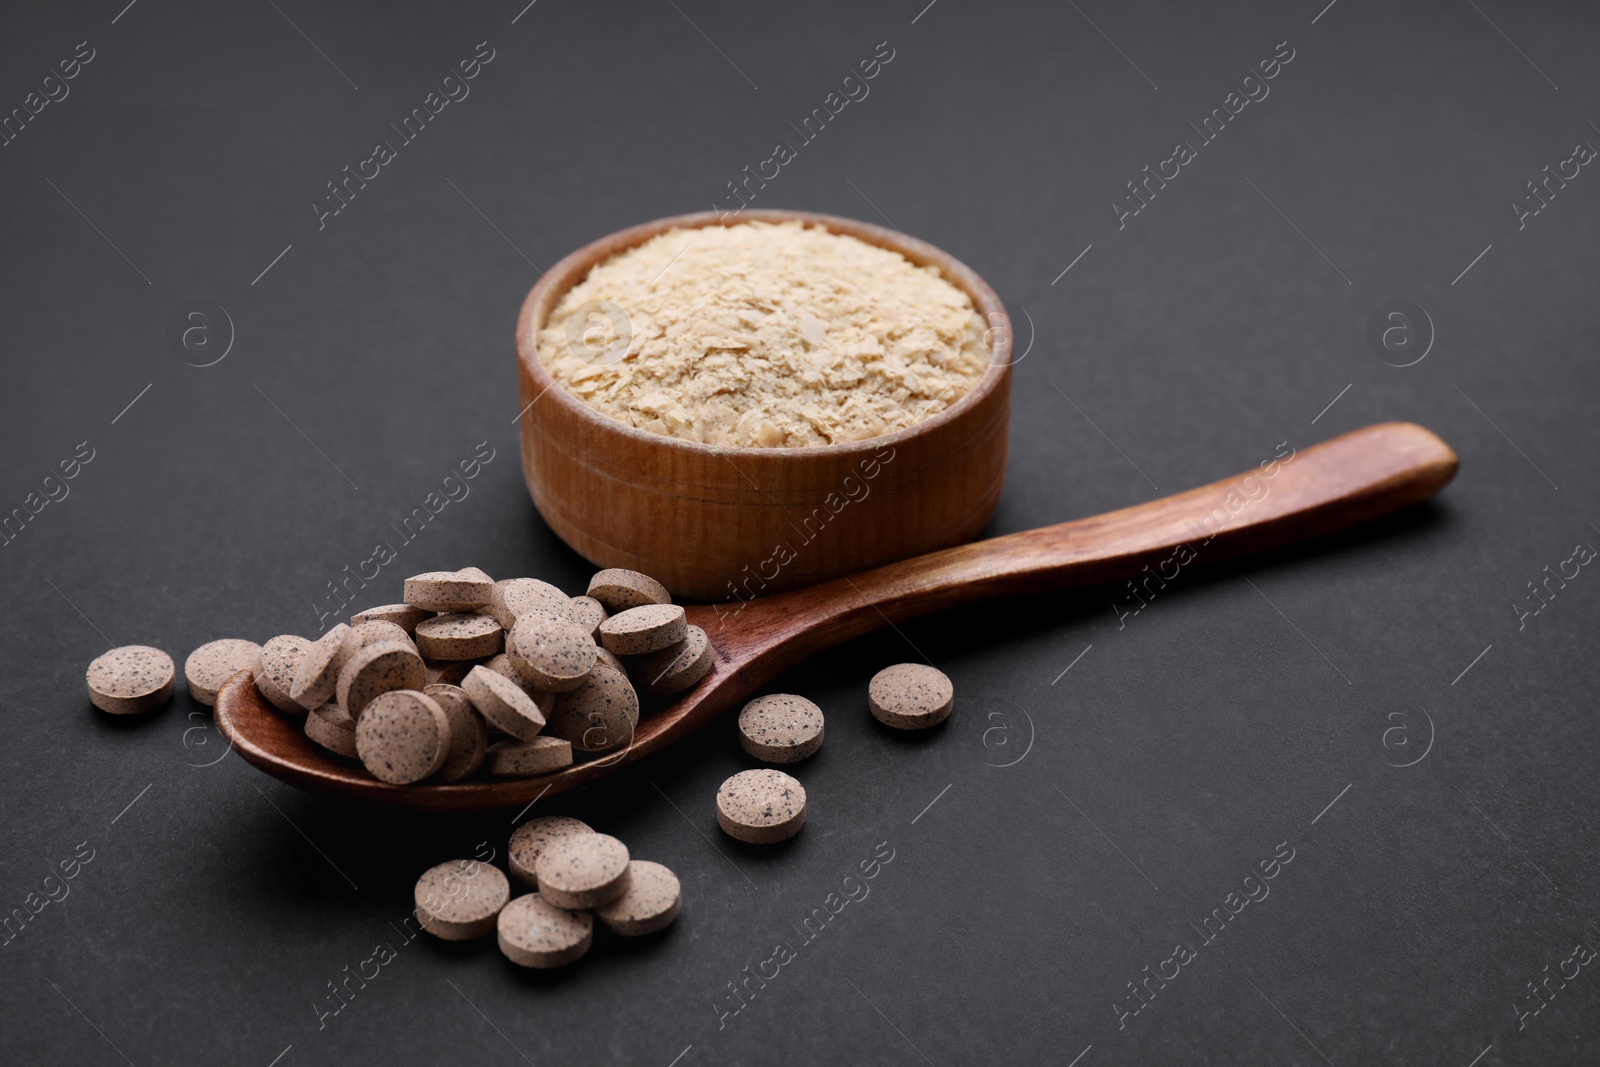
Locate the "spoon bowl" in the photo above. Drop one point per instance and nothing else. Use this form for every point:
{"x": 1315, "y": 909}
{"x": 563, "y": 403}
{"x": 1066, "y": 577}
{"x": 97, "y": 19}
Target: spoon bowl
{"x": 1324, "y": 489}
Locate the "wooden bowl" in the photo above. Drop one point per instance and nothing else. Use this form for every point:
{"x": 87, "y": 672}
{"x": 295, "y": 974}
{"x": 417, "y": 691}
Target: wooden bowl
{"x": 728, "y": 523}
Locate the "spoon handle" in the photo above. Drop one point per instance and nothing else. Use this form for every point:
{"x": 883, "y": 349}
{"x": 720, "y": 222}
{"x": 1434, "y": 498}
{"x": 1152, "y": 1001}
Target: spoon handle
{"x": 1287, "y": 498}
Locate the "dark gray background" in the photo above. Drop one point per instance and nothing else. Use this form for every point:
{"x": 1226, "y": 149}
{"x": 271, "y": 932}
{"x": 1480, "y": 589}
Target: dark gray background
{"x": 1172, "y": 757}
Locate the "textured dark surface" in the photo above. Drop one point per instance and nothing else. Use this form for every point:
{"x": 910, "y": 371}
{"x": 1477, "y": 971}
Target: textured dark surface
{"x": 1063, "y": 831}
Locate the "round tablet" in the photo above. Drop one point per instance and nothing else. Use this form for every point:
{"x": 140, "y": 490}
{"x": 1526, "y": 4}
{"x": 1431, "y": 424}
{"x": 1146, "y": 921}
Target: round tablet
{"x": 131, "y": 679}
{"x": 374, "y": 630}
{"x": 275, "y": 670}
{"x": 586, "y": 612}
{"x": 405, "y": 616}
{"x": 214, "y": 663}
{"x": 376, "y": 669}
{"x": 503, "y": 703}
{"x": 527, "y": 759}
{"x": 403, "y": 736}
{"x": 618, "y": 590}
{"x": 910, "y": 696}
{"x": 502, "y": 665}
{"x": 761, "y": 807}
{"x": 448, "y": 591}
{"x": 780, "y": 728}
{"x": 582, "y": 870}
{"x": 676, "y": 667}
{"x": 332, "y": 727}
{"x": 553, "y": 656}
{"x": 602, "y": 713}
{"x": 533, "y": 933}
{"x": 602, "y": 658}
{"x": 459, "y": 635}
{"x": 469, "y": 734}
{"x": 533, "y": 837}
{"x": 318, "y": 674}
{"x": 513, "y": 598}
{"x": 644, "y": 629}
{"x": 446, "y": 673}
{"x": 460, "y": 900}
{"x": 650, "y": 904}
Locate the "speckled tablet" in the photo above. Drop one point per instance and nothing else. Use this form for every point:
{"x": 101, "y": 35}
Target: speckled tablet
{"x": 677, "y": 667}
{"x": 468, "y": 735}
{"x": 448, "y": 591}
{"x": 459, "y": 635}
{"x": 405, "y": 616}
{"x": 780, "y": 728}
{"x": 910, "y": 696}
{"x": 131, "y": 680}
{"x": 318, "y": 674}
{"x": 534, "y": 933}
{"x": 275, "y": 670}
{"x": 332, "y": 727}
{"x": 513, "y": 598}
{"x": 619, "y": 590}
{"x": 644, "y": 629}
{"x": 761, "y": 806}
{"x": 553, "y": 656}
{"x": 461, "y": 899}
{"x": 582, "y": 870}
{"x": 533, "y": 837}
{"x": 374, "y": 630}
{"x": 603, "y": 658}
{"x": 500, "y": 663}
{"x": 377, "y": 669}
{"x": 586, "y": 613}
{"x": 503, "y": 703}
{"x": 545, "y": 701}
{"x": 650, "y": 904}
{"x": 214, "y": 663}
{"x": 403, "y": 736}
{"x": 601, "y": 714}
{"x": 511, "y": 758}
{"x": 443, "y": 673}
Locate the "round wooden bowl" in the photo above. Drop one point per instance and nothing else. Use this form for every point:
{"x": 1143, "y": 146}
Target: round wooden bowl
{"x": 726, "y": 523}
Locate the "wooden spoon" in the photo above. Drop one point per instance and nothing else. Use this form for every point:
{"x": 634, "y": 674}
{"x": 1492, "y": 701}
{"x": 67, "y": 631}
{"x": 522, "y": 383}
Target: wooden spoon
{"x": 1324, "y": 489}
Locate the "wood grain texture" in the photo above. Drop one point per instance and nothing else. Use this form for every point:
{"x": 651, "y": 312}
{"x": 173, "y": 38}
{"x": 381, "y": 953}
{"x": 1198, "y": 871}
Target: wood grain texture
{"x": 707, "y": 520}
{"x": 1322, "y": 490}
